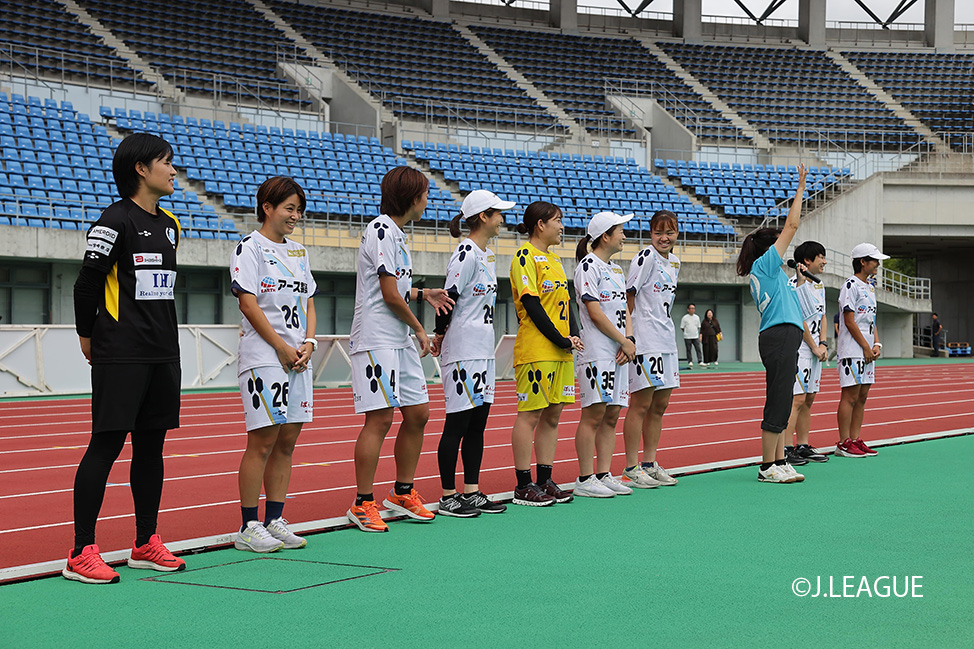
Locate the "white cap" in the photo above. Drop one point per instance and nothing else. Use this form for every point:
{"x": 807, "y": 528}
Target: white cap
{"x": 480, "y": 200}
{"x": 602, "y": 221}
{"x": 868, "y": 250}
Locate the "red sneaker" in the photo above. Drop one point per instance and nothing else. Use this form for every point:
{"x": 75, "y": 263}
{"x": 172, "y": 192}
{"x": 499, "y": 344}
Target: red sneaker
{"x": 89, "y": 567}
{"x": 848, "y": 448}
{"x": 155, "y": 556}
{"x": 862, "y": 447}
{"x": 410, "y": 505}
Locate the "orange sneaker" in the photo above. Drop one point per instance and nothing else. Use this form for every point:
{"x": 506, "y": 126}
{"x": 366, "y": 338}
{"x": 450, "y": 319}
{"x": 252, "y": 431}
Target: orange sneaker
{"x": 155, "y": 556}
{"x": 367, "y": 517}
{"x": 89, "y": 567}
{"x": 410, "y": 505}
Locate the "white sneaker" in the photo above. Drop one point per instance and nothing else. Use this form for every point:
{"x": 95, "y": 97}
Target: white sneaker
{"x": 795, "y": 475}
{"x": 255, "y": 538}
{"x": 659, "y": 474}
{"x": 703, "y": 365}
{"x": 592, "y": 488}
{"x": 639, "y": 479}
{"x": 716, "y": 363}
{"x": 616, "y": 485}
{"x": 774, "y": 474}
{"x": 690, "y": 364}
{"x": 279, "y": 530}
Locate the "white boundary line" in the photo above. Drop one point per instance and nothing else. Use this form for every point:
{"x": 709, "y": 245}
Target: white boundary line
{"x": 339, "y": 522}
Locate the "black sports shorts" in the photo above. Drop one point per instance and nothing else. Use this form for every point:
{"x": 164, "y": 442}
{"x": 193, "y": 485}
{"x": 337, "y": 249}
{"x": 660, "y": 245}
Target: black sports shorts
{"x": 778, "y": 346}
{"x": 134, "y": 396}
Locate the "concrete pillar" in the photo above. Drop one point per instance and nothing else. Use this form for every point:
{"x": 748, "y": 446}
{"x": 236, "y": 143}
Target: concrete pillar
{"x": 687, "y": 21}
{"x": 436, "y": 8}
{"x": 811, "y": 22}
{"x": 938, "y": 24}
{"x": 564, "y": 14}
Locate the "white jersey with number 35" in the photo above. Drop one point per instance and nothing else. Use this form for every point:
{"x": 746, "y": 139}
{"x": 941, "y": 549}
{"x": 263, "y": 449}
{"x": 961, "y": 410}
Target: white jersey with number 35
{"x": 597, "y": 281}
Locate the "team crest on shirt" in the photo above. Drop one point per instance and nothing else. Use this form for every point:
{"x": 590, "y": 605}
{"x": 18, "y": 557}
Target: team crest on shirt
{"x": 605, "y": 296}
{"x": 547, "y": 286}
{"x": 171, "y": 235}
{"x": 479, "y": 289}
{"x": 268, "y": 285}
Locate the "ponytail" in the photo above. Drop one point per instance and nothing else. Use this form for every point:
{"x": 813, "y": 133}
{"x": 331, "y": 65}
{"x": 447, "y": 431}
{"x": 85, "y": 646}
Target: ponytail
{"x": 520, "y": 228}
{"x": 536, "y": 212}
{"x": 455, "y": 225}
{"x": 582, "y": 248}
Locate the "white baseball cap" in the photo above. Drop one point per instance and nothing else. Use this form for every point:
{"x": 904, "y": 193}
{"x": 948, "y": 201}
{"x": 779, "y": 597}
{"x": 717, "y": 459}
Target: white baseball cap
{"x": 480, "y": 200}
{"x": 602, "y": 221}
{"x": 868, "y": 250}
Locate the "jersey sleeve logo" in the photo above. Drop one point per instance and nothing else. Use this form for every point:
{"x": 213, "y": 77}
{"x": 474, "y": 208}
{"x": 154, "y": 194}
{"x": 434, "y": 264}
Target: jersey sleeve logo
{"x": 98, "y": 247}
{"x": 101, "y": 232}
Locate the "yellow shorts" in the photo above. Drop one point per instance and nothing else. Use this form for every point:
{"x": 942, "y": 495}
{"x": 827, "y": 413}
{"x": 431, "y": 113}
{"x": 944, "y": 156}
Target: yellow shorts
{"x": 543, "y": 383}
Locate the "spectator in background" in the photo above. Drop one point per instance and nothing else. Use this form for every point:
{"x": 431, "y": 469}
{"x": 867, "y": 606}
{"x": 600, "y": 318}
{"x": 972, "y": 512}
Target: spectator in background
{"x": 710, "y": 335}
{"x": 936, "y": 329}
{"x": 690, "y": 324}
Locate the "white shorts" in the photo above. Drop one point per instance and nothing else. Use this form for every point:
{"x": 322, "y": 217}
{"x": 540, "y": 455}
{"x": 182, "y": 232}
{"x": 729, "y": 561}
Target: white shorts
{"x": 660, "y": 371}
{"x": 856, "y": 371}
{"x": 273, "y": 396}
{"x": 809, "y": 376}
{"x": 603, "y": 382}
{"x": 468, "y": 384}
{"x": 388, "y": 378}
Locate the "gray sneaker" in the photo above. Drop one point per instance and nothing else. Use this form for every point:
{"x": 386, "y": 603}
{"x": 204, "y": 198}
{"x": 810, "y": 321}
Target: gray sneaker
{"x": 615, "y": 485}
{"x": 279, "y": 530}
{"x": 639, "y": 479}
{"x": 255, "y": 538}
{"x": 658, "y": 473}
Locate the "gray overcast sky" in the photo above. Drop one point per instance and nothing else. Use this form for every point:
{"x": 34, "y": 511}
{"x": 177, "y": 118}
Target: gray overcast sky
{"x": 836, "y": 9}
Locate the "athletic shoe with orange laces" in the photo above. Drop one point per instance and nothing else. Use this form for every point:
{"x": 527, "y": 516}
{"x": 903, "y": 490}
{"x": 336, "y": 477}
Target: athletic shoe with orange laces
{"x": 155, "y": 556}
{"x": 89, "y": 568}
{"x": 862, "y": 447}
{"x": 367, "y": 517}
{"x": 410, "y": 505}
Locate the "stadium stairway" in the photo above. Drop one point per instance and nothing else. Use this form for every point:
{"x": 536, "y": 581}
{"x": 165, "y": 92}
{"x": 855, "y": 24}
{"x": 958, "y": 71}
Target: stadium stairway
{"x": 898, "y": 109}
{"x": 577, "y": 132}
{"x": 163, "y": 87}
{"x": 760, "y": 141}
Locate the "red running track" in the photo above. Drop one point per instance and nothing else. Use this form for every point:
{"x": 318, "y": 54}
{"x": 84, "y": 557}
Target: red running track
{"x": 713, "y": 417}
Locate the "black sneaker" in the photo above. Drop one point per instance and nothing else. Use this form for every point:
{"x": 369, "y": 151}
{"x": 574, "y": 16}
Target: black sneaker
{"x": 810, "y": 453}
{"x": 483, "y": 504}
{"x": 533, "y": 496}
{"x": 454, "y": 505}
{"x": 793, "y": 458}
{"x": 556, "y": 492}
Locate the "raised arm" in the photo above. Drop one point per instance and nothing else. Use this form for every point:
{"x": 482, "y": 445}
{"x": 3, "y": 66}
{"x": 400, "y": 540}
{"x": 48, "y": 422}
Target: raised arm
{"x": 794, "y": 215}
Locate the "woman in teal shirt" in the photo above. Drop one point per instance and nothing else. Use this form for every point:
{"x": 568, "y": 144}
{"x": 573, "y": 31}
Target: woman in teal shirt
{"x": 780, "y": 335}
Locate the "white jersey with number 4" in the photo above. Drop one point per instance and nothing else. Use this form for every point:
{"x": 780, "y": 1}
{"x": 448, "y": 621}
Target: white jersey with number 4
{"x": 605, "y": 283}
{"x": 811, "y": 299}
{"x": 471, "y": 273}
{"x": 859, "y": 297}
{"x": 383, "y": 251}
{"x": 279, "y": 276}
{"x": 653, "y": 278}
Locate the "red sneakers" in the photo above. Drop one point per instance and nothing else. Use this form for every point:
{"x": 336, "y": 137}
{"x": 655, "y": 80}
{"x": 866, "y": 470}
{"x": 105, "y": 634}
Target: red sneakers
{"x": 155, "y": 556}
{"x": 862, "y": 447}
{"x": 89, "y": 567}
{"x": 849, "y": 448}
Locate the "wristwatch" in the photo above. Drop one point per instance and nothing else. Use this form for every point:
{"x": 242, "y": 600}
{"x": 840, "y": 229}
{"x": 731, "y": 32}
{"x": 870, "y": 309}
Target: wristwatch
{"x": 314, "y": 343}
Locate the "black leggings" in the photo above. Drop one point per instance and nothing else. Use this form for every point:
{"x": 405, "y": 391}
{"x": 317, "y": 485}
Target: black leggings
{"x": 145, "y": 476}
{"x": 468, "y": 425}
{"x": 778, "y": 347}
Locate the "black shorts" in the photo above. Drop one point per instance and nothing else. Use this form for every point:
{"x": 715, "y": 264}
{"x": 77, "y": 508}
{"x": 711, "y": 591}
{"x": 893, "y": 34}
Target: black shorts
{"x": 778, "y": 346}
{"x": 134, "y": 396}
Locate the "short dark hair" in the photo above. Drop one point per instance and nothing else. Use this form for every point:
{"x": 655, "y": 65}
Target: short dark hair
{"x": 275, "y": 191}
{"x": 935, "y": 314}
{"x": 137, "y": 147}
{"x": 808, "y": 251}
{"x": 401, "y": 186}
{"x": 537, "y": 212}
{"x": 662, "y": 218}
{"x": 857, "y": 263}
{"x": 754, "y": 245}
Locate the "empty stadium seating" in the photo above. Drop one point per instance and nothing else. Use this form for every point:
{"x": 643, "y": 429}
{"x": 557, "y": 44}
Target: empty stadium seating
{"x": 412, "y": 60}
{"x": 580, "y": 184}
{"x": 745, "y": 190}
{"x": 785, "y": 91}
{"x": 44, "y": 38}
{"x": 936, "y": 88}
{"x": 571, "y": 71}
{"x": 56, "y": 171}
{"x": 189, "y": 42}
